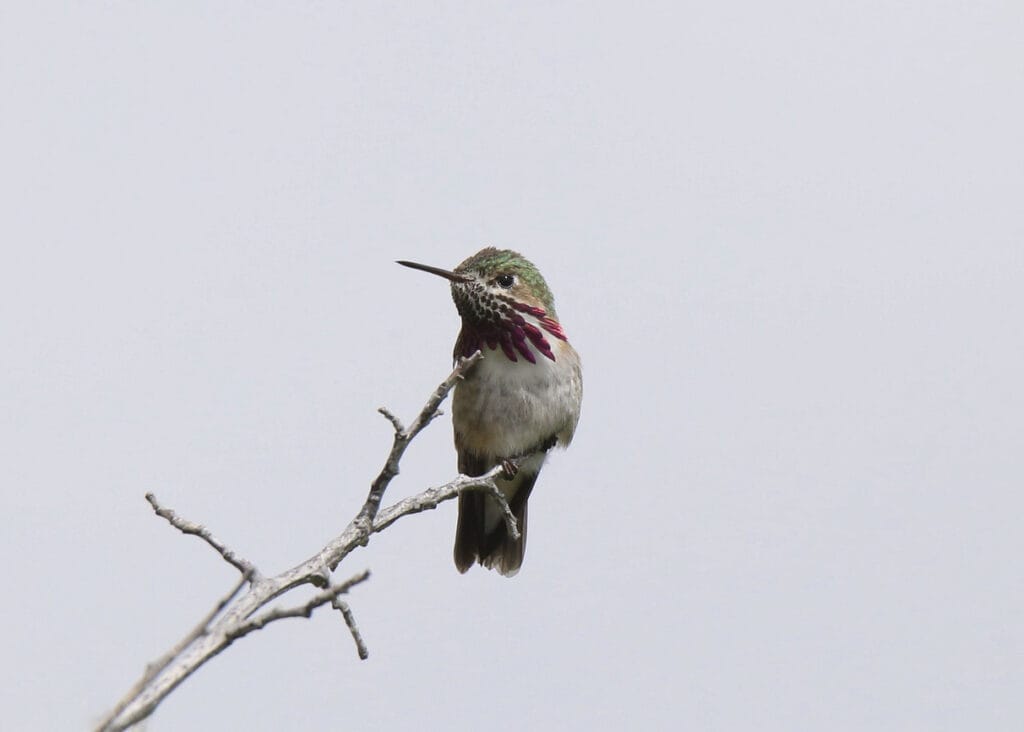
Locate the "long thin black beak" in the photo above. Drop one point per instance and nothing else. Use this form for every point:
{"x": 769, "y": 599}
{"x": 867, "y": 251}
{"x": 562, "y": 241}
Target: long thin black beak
{"x": 448, "y": 275}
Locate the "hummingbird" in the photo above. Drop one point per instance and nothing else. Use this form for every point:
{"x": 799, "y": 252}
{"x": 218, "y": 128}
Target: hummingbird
{"x": 515, "y": 404}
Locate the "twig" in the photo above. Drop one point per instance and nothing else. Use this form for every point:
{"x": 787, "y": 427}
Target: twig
{"x": 301, "y": 611}
{"x": 395, "y": 422}
{"x": 433, "y": 497}
{"x": 154, "y": 668}
{"x": 194, "y": 529}
{"x": 350, "y": 620}
{"x": 403, "y": 437}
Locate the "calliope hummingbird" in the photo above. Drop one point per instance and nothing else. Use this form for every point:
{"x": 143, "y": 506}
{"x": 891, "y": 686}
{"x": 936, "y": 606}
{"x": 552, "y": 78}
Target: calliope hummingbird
{"x": 520, "y": 400}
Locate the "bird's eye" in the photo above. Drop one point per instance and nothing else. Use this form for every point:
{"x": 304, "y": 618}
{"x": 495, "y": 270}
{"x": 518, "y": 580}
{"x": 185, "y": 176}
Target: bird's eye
{"x": 505, "y": 280}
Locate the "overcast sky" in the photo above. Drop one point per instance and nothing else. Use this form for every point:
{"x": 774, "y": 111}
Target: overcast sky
{"x": 786, "y": 239}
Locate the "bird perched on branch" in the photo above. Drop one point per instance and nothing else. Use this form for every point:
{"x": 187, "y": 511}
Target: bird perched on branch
{"x": 515, "y": 404}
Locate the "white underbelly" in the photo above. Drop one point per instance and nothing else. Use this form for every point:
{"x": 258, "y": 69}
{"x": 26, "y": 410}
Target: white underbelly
{"x": 505, "y": 408}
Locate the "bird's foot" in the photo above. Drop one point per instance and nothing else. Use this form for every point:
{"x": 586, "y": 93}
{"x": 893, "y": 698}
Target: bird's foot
{"x": 509, "y": 468}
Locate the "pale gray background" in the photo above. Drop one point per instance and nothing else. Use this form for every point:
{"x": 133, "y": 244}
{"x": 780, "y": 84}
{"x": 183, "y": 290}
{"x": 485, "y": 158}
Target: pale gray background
{"x": 786, "y": 239}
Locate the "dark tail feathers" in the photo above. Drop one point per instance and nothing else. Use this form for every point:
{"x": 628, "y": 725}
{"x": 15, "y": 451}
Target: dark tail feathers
{"x": 494, "y": 549}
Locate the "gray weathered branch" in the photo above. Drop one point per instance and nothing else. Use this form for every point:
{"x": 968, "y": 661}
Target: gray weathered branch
{"x": 239, "y": 613}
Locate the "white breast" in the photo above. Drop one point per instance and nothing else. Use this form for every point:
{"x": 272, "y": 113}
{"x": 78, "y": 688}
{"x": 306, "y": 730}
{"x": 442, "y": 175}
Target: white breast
{"x": 504, "y": 408}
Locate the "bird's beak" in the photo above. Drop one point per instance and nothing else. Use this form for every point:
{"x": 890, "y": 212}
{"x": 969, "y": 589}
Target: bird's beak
{"x": 447, "y": 274}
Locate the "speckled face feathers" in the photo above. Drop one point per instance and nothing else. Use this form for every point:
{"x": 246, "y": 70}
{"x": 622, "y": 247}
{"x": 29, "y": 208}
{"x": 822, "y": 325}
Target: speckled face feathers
{"x": 492, "y": 267}
{"x": 504, "y": 303}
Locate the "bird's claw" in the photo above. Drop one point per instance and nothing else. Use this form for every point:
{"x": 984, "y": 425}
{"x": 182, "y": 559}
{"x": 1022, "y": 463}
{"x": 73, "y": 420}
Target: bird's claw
{"x": 509, "y": 469}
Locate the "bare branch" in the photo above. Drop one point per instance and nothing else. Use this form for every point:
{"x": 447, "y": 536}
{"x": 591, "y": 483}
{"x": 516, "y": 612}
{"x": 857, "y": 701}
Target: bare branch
{"x": 350, "y": 620}
{"x": 154, "y": 668}
{"x": 301, "y": 611}
{"x": 194, "y": 529}
{"x": 237, "y": 615}
{"x": 395, "y": 421}
{"x": 433, "y": 497}
{"x": 404, "y": 437}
